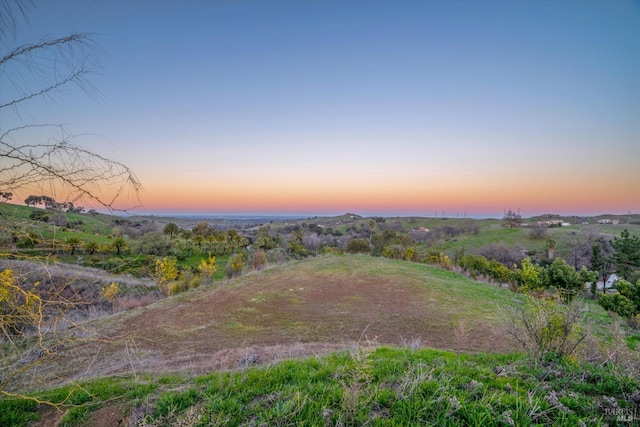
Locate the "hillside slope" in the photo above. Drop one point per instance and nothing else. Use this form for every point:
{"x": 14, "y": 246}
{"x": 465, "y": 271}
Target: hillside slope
{"x": 309, "y": 307}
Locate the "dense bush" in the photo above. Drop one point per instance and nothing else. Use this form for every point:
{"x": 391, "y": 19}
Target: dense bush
{"x": 358, "y": 246}
{"x": 152, "y": 243}
{"x": 626, "y": 302}
{"x": 566, "y": 279}
{"x": 39, "y": 216}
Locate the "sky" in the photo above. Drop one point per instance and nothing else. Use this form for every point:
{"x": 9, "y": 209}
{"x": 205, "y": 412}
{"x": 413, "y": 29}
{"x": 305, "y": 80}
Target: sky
{"x": 454, "y": 108}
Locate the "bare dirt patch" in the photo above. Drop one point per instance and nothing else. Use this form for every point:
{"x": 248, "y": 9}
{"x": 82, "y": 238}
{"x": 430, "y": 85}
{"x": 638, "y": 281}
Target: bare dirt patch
{"x": 49, "y": 417}
{"x": 109, "y": 416}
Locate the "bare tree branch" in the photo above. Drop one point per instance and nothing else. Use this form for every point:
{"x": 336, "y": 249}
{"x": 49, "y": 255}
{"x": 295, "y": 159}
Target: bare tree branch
{"x": 77, "y": 172}
{"x": 36, "y": 319}
{"x": 40, "y": 69}
{"x": 31, "y": 161}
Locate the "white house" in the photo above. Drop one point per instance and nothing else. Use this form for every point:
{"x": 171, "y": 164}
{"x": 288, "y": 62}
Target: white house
{"x": 611, "y": 281}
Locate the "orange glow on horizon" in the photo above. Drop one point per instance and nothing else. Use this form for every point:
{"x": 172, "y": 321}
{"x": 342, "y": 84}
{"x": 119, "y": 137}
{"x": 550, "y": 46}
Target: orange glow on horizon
{"x": 393, "y": 198}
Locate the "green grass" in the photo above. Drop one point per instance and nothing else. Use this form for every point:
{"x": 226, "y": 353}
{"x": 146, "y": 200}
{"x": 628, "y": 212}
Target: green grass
{"x": 194, "y": 259}
{"x": 492, "y": 232}
{"x": 383, "y": 387}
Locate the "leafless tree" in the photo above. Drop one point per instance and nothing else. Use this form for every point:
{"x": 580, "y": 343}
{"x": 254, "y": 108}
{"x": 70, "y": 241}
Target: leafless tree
{"x": 512, "y": 219}
{"x": 580, "y": 247}
{"x": 311, "y": 241}
{"x": 538, "y": 231}
{"x": 42, "y": 156}
{"x": 502, "y": 253}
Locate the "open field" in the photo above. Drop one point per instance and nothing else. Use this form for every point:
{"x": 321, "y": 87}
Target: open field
{"x": 307, "y": 307}
{"x": 324, "y": 341}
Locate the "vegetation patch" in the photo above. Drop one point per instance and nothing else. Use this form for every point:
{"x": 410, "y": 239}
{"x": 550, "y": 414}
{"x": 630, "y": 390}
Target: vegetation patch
{"x": 385, "y": 385}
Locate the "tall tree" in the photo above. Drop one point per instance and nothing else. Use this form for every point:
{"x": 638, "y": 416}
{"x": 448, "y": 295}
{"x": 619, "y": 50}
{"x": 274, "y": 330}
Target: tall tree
{"x": 627, "y": 256}
{"x": 601, "y": 252}
{"x": 91, "y": 246}
{"x": 73, "y": 243}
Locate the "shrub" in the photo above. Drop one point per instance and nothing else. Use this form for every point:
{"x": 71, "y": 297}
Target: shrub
{"x": 166, "y": 269}
{"x": 110, "y": 292}
{"x": 546, "y": 328}
{"x": 195, "y": 282}
{"x": 331, "y": 250}
{"x": 259, "y": 260}
{"x": 393, "y": 252}
{"x": 296, "y": 249}
{"x": 474, "y": 265}
{"x": 276, "y": 256}
{"x": 528, "y": 277}
{"x": 499, "y": 272}
{"x": 358, "y": 246}
{"x": 626, "y": 302}
{"x": 153, "y": 243}
{"x": 538, "y": 231}
{"x": 235, "y": 265}
{"x": 39, "y": 216}
{"x": 176, "y": 287}
{"x": 207, "y": 268}
{"x": 439, "y": 258}
{"x": 502, "y": 253}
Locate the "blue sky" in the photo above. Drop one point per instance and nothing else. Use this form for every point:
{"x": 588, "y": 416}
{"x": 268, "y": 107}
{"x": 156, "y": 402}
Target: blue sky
{"x": 374, "y": 107}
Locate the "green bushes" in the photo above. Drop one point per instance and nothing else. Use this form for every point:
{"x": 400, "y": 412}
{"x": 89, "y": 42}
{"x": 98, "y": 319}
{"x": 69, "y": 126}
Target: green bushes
{"x": 476, "y": 265}
{"x": 358, "y": 246}
{"x": 626, "y": 302}
{"x": 235, "y": 265}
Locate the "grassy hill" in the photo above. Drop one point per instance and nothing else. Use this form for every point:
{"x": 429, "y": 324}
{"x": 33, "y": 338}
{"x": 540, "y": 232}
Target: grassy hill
{"x": 306, "y": 307}
{"x": 353, "y": 330}
{"x": 176, "y": 362}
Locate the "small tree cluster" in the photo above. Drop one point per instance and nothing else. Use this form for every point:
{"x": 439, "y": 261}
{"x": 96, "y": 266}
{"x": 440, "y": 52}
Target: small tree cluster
{"x": 566, "y": 279}
{"x": 476, "y": 265}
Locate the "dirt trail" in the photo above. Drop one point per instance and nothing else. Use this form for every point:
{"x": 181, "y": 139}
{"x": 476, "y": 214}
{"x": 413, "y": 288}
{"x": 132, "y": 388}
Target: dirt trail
{"x": 74, "y": 272}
